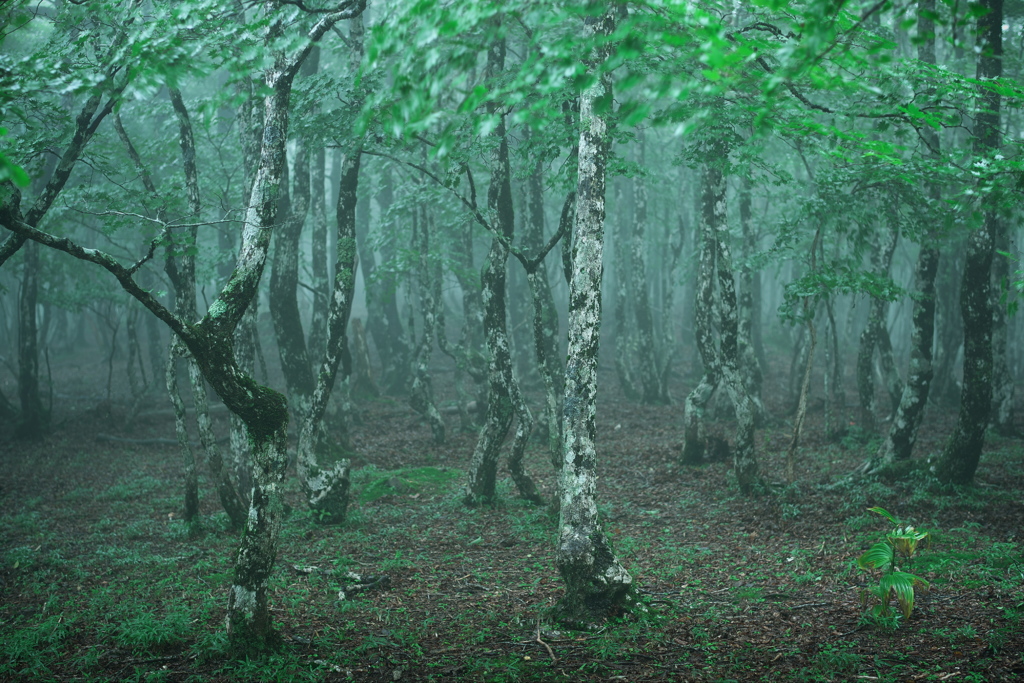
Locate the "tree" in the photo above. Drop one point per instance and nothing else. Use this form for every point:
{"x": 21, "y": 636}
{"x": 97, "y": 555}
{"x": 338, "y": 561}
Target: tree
{"x": 960, "y": 456}
{"x": 596, "y": 583}
{"x": 899, "y": 442}
{"x": 210, "y": 340}
{"x": 504, "y": 398}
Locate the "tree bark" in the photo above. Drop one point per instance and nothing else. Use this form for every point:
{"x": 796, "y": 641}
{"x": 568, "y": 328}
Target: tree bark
{"x": 715, "y": 235}
{"x": 596, "y": 583}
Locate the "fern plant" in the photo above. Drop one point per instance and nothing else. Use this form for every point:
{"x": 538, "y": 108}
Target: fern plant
{"x": 885, "y": 557}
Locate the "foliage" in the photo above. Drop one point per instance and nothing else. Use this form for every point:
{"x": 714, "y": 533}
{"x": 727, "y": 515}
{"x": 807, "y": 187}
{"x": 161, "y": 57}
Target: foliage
{"x": 900, "y": 544}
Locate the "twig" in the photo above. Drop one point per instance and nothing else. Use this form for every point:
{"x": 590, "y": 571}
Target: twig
{"x": 554, "y": 660}
{"x": 809, "y": 604}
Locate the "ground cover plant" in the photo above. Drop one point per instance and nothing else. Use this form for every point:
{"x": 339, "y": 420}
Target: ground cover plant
{"x": 101, "y": 579}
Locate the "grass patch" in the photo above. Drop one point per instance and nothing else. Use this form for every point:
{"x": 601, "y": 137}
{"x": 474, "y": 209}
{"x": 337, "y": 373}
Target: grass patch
{"x": 413, "y": 481}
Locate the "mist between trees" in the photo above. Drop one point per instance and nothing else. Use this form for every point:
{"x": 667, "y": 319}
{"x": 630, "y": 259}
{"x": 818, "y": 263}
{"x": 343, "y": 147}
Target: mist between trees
{"x": 304, "y": 206}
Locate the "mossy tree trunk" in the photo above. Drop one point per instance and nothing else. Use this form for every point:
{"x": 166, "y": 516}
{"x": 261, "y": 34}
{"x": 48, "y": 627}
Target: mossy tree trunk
{"x": 715, "y": 233}
{"x": 596, "y": 583}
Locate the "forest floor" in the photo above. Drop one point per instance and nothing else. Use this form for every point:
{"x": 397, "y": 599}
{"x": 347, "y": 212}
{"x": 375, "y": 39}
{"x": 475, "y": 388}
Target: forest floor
{"x": 100, "y": 581}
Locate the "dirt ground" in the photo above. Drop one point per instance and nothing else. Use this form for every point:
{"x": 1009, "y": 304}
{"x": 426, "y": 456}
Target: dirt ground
{"x": 100, "y": 581}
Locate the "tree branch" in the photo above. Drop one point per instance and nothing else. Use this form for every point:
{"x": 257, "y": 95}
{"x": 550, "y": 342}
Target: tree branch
{"x": 105, "y": 261}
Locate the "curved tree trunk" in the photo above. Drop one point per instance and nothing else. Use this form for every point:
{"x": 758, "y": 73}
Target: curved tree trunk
{"x": 181, "y": 271}
{"x": 596, "y": 583}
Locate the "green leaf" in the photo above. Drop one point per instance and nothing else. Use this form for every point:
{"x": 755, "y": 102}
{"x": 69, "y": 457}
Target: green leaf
{"x": 902, "y": 585}
{"x": 878, "y": 556}
{"x": 886, "y": 514}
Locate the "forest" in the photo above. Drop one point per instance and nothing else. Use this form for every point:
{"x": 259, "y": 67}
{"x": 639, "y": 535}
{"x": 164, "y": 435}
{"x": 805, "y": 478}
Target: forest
{"x": 639, "y": 340}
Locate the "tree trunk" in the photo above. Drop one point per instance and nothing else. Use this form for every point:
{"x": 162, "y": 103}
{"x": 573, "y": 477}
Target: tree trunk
{"x": 749, "y": 303}
{"x": 284, "y": 283}
{"x": 421, "y": 395}
{"x": 1003, "y": 387}
{"x": 871, "y": 337}
{"x": 545, "y": 317}
{"x": 959, "y": 459}
{"x": 899, "y": 442}
{"x": 596, "y": 583}
{"x": 181, "y": 271}
{"x": 504, "y": 400}
{"x": 190, "y": 510}
{"x": 383, "y": 319}
{"x": 654, "y": 391}
{"x": 327, "y": 487}
{"x": 34, "y": 419}
{"x": 694, "y": 438}
{"x": 715, "y": 234}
